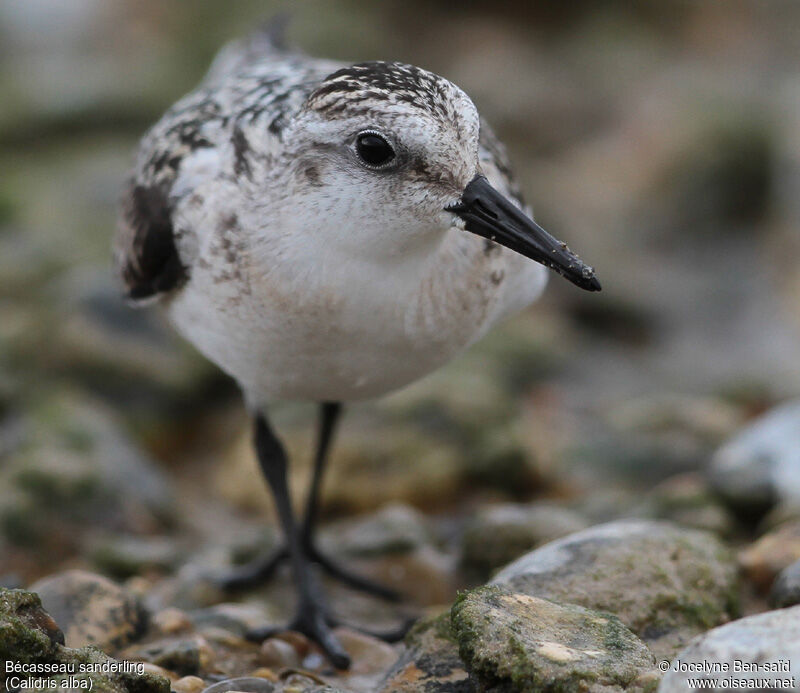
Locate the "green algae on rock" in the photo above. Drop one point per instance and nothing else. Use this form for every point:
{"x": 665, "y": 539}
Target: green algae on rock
{"x": 514, "y": 642}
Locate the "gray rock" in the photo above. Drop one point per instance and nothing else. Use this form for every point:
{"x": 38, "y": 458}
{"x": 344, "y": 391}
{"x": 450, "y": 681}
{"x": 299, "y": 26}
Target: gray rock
{"x": 515, "y": 642}
{"x": 786, "y": 589}
{"x": 91, "y": 610}
{"x": 394, "y": 529}
{"x": 500, "y": 533}
{"x": 665, "y": 583}
{"x": 429, "y": 662}
{"x": 770, "y": 640}
{"x": 247, "y": 684}
{"x": 760, "y": 466}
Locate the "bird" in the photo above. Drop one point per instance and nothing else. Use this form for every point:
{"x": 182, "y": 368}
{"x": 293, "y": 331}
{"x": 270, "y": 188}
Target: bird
{"x": 326, "y": 232}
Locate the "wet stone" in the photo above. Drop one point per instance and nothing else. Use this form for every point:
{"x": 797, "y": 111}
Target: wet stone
{"x": 91, "y": 610}
{"x": 515, "y": 642}
{"x": 667, "y": 584}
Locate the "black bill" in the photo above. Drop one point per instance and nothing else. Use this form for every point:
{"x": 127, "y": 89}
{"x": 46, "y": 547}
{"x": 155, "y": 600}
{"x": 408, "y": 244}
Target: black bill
{"x": 489, "y": 214}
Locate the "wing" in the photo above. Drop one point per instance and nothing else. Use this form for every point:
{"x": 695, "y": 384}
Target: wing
{"x": 145, "y": 254}
{"x": 253, "y": 86}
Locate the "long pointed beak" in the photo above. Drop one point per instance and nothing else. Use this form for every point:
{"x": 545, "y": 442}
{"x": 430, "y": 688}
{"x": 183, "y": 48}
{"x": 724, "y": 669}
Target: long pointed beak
{"x": 489, "y": 214}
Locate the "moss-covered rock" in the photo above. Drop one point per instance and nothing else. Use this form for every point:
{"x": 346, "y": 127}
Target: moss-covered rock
{"x": 30, "y": 636}
{"x": 514, "y": 642}
{"x": 667, "y": 584}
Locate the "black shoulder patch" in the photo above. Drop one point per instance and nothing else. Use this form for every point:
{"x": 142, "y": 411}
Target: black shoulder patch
{"x": 150, "y": 262}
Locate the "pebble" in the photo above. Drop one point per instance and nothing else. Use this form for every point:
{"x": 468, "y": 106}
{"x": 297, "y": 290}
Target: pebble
{"x": 170, "y": 621}
{"x": 279, "y": 654}
{"x": 786, "y": 588}
{"x": 91, "y": 610}
{"x": 776, "y": 550}
{"x": 771, "y": 638}
{"x": 189, "y": 684}
{"x": 515, "y": 642}
{"x": 666, "y": 583}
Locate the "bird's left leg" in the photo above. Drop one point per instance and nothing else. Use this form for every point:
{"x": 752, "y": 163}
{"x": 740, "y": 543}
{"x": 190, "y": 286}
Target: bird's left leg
{"x": 261, "y": 569}
{"x": 330, "y": 414}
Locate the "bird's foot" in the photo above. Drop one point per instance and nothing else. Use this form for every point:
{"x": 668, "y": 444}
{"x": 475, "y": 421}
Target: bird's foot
{"x": 262, "y": 569}
{"x": 316, "y": 623}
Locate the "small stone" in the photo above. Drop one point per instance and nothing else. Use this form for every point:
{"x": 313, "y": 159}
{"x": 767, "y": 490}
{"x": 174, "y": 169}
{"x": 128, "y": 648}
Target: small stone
{"x": 245, "y": 684}
{"x": 666, "y": 583}
{"x": 265, "y": 673}
{"x": 184, "y": 656}
{"x": 776, "y": 550}
{"x": 430, "y": 655}
{"x": 170, "y": 621}
{"x": 370, "y": 659}
{"x": 514, "y": 642}
{"x": 786, "y": 589}
{"x": 500, "y": 533}
{"x": 189, "y": 684}
{"x": 91, "y": 610}
{"x": 279, "y": 654}
{"x": 770, "y": 640}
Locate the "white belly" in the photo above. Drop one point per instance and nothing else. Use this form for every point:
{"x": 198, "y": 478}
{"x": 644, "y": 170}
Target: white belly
{"x": 350, "y": 335}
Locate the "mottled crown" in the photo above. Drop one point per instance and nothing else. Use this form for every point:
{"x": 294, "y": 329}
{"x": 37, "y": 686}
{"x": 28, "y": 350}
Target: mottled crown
{"x": 357, "y": 89}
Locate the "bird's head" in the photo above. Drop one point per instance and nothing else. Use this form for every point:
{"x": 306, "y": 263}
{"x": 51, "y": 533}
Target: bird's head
{"x": 386, "y": 155}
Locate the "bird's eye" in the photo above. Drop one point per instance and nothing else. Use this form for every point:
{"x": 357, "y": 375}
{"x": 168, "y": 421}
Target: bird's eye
{"x": 374, "y": 150}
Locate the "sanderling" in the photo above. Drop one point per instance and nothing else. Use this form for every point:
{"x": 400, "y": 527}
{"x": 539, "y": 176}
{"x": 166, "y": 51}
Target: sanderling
{"x": 327, "y": 232}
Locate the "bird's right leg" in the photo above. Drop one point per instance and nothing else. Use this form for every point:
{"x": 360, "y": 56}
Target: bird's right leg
{"x": 311, "y": 617}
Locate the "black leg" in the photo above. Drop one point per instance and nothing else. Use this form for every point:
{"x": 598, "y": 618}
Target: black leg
{"x": 329, "y": 415}
{"x": 261, "y": 569}
{"x": 311, "y": 618}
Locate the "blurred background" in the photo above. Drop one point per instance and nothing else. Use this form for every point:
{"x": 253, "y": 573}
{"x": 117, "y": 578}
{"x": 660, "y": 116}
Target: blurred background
{"x": 660, "y": 139}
